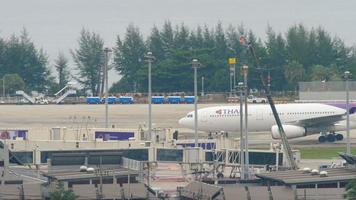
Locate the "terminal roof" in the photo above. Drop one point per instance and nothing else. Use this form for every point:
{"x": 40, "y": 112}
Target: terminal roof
{"x": 74, "y": 173}
{"x": 293, "y": 177}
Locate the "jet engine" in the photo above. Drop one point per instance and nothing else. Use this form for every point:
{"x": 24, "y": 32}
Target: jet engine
{"x": 291, "y": 131}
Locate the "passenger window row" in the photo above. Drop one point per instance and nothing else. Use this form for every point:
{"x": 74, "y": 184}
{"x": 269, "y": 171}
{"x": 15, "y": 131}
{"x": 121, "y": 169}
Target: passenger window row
{"x": 304, "y": 113}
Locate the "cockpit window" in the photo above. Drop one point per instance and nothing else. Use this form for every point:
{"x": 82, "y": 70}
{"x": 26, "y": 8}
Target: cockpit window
{"x": 189, "y": 115}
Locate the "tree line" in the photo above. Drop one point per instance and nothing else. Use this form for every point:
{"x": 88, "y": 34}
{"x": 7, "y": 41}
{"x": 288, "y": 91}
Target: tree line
{"x": 23, "y": 66}
{"x": 299, "y": 54}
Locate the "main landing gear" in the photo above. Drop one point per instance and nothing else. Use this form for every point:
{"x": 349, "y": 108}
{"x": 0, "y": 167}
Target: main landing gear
{"x": 331, "y": 137}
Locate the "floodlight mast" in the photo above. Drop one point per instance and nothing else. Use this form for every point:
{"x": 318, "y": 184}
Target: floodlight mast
{"x": 347, "y": 76}
{"x": 286, "y": 146}
{"x": 150, "y": 58}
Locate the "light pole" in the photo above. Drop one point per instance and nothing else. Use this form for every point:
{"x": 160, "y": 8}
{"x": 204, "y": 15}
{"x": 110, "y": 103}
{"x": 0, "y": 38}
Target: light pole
{"x": 202, "y": 86}
{"x": 107, "y": 51}
{"x": 149, "y": 58}
{"x": 241, "y": 156}
{"x": 347, "y": 76}
{"x": 245, "y": 72}
{"x": 232, "y": 63}
{"x": 3, "y": 86}
{"x": 234, "y": 81}
{"x": 231, "y": 75}
{"x": 195, "y": 65}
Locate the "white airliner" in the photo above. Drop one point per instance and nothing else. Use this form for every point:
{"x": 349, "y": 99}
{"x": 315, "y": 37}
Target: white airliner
{"x": 298, "y": 120}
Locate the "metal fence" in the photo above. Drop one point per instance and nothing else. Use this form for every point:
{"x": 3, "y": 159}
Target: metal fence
{"x": 326, "y": 91}
{"x": 318, "y": 86}
{"x": 132, "y": 164}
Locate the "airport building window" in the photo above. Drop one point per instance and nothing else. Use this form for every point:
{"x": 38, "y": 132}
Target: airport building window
{"x": 169, "y": 155}
{"x": 263, "y": 158}
{"x": 105, "y": 181}
{"x": 343, "y": 184}
{"x": 137, "y": 154}
{"x": 13, "y": 182}
{"x": 124, "y": 179}
{"x": 78, "y": 182}
{"x": 22, "y": 157}
{"x": 327, "y": 185}
{"x": 105, "y": 159}
{"x": 68, "y": 160}
{"x": 306, "y": 186}
{"x": 209, "y": 156}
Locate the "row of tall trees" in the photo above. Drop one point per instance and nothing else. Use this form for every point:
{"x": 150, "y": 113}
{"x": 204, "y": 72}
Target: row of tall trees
{"x": 89, "y": 59}
{"x": 20, "y": 59}
{"x": 25, "y": 67}
{"x": 299, "y": 54}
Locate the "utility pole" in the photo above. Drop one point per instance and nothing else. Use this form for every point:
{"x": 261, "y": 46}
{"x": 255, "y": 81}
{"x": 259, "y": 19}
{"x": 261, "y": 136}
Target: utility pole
{"x": 269, "y": 81}
{"x": 149, "y": 58}
{"x": 242, "y": 155}
{"x": 195, "y": 65}
{"x": 232, "y": 64}
{"x": 286, "y": 146}
{"x": 107, "y": 51}
{"x": 99, "y": 193}
{"x": 347, "y": 76}
{"x": 102, "y": 81}
{"x": 234, "y": 81}
{"x": 3, "y": 86}
{"x": 202, "y": 86}
{"x": 148, "y": 180}
{"x": 247, "y": 162}
{"x": 129, "y": 182}
{"x": 231, "y": 75}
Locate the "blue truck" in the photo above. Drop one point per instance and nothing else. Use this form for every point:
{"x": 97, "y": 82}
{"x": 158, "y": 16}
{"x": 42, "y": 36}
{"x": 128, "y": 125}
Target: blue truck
{"x": 189, "y": 99}
{"x": 125, "y": 100}
{"x": 174, "y": 99}
{"x": 111, "y": 100}
{"x": 93, "y": 100}
{"x": 157, "y": 99}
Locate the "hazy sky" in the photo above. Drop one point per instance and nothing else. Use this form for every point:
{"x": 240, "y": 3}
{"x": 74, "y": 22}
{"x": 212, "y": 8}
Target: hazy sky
{"x": 54, "y": 25}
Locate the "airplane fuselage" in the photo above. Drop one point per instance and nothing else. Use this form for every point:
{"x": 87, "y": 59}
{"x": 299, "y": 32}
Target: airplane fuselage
{"x": 260, "y": 117}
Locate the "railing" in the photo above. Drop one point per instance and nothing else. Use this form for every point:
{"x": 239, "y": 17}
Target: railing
{"x": 26, "y": 96}
{"x": 319, "y": 86}
{"x": 68, "y": 92}
{"x": 132, "y": 164}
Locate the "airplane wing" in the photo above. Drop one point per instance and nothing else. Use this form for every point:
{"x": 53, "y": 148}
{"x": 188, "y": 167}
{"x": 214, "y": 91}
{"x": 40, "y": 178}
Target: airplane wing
{"x": 319, "y": 121}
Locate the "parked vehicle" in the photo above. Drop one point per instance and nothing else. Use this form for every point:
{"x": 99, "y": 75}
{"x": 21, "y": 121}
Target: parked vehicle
{"x": 253, "y": 99}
